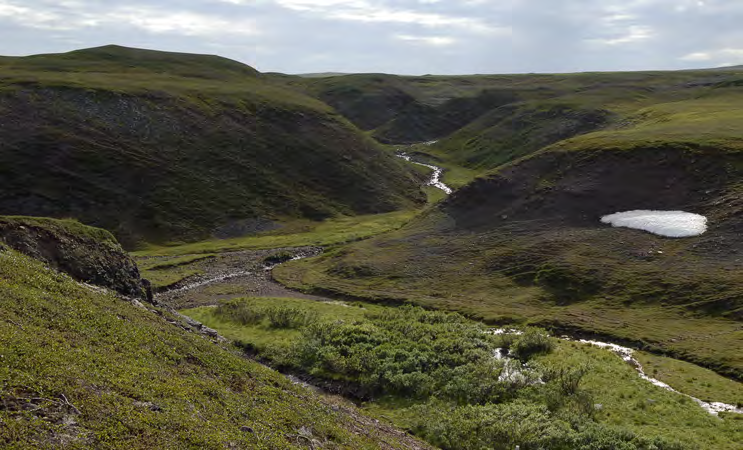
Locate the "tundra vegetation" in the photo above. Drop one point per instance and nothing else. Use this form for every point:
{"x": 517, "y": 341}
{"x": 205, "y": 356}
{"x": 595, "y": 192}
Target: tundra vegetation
{"x": 437, "y": 374}
{"x": 81, "y": 367}
{"x": 185, "y": 158}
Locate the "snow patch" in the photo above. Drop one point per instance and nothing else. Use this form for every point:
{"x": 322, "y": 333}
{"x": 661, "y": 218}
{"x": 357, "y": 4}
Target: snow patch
{"x": 663, "y": 223}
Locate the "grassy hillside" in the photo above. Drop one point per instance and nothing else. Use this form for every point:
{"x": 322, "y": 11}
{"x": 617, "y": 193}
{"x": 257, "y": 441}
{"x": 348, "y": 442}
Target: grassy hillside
{"x": 116, "y": 59}
{"x": 157, "y": 146}
{"x": 524, "y": 242}
{"x": 483, "y": 121}
{"x": 82, "y": 368}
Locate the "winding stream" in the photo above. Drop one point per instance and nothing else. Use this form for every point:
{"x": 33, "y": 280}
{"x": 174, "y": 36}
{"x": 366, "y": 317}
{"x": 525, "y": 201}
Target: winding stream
{"x": 627, "y": 354}
{"x": 435, "y": 179}
{"x": 205, "y": 281}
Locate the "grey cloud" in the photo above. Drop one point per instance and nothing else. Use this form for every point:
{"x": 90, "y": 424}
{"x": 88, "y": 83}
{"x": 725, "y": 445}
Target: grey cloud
{"x": 398, "y": 36}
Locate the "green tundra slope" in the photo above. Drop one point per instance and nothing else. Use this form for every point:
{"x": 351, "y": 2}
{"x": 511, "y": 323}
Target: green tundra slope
{"x": 156, "y": 146}
{"x": 482, "y": 121}
{"x": 83, "y": 368}
{"x": 524, "y": 242}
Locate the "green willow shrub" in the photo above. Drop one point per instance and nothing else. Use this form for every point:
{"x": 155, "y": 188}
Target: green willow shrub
{"x": 529, "y": 425}
{"x": 240, "y": 311}
{"x": 492, "y": 426}
{"x": 533, "y": 341}
{"x": 408, "y": 351}
{"x": 474, "y": 383}
{"x": 289, "y": 317}
{"x": 567, "y": 377}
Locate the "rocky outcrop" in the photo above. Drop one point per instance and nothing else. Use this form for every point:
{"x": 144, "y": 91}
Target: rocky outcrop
{"x": 87, "y": 254}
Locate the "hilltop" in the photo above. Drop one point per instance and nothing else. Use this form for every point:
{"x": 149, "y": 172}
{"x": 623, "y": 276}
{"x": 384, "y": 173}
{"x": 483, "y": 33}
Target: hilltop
{"x": 158, "y": 146}
{"x": 124, "y": 60}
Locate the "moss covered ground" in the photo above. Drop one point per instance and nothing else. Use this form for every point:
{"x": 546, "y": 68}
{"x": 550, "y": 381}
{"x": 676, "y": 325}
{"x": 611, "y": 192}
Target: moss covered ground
{"x": 81, "y": 368}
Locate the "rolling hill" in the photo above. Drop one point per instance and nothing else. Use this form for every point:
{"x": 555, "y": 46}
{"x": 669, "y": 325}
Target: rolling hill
{"x": 158, "y": 146}
{"x": 524, "y": 242}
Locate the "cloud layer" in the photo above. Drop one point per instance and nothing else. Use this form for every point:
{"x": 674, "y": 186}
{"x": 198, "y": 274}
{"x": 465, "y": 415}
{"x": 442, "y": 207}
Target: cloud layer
{"x": 394, "y": 36}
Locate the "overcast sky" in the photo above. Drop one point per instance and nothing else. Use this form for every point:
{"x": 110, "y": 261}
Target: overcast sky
{"x": 394, "y": 36}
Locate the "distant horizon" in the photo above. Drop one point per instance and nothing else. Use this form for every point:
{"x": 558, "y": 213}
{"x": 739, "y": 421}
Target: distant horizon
{"x": 331, "y": 73}
{"x": 395, "y": 36}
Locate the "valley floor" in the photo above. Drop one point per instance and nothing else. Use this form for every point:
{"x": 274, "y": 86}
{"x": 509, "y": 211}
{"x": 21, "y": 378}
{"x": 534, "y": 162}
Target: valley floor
{"x": 628, "y": 398}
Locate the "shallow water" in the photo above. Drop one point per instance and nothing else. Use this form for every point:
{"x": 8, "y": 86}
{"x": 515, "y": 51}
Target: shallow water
{"x": 435, "y": 179}
{"x": 206, "y": 281}
{"x": 627, "y": 354}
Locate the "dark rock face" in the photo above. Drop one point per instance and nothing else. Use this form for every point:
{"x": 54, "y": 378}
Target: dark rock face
{"x": 85, "y": 257}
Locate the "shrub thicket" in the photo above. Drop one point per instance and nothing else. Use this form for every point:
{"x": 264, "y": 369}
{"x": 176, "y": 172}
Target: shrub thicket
{"x": 468, "y": 396}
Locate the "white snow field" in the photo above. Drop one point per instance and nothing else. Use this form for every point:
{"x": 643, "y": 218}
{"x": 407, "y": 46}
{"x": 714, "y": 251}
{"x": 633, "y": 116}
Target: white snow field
{"x": 664, "y": 223}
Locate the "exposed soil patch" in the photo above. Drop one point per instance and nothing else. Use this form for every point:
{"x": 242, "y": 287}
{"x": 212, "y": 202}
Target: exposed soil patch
{"x": 87, "y": 254}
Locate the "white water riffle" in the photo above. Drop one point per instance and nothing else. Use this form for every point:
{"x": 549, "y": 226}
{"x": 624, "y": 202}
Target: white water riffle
{"x": 664, "y": 223}
{"x": 627, "y": 354}
{"x": 435, "y": 180}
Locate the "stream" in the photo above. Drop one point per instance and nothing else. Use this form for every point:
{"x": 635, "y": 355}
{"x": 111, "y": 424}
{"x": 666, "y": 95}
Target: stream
{"x": 626, "y": 353}
{"x": 435, "y": 179}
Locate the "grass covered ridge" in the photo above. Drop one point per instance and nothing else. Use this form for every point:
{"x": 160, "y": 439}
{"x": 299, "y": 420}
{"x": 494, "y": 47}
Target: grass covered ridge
{"x": 84, "y": 369}
{"x": 58, "y": 227}
{"x": 88, "y": 254}
{"x": 335, "y": 231}
{"x": 187, "y": 143}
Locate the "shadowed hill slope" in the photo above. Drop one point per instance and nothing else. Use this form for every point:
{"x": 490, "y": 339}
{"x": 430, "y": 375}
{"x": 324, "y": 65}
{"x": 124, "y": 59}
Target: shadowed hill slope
{"x": 367, "y": 100}
{"x": 482, "y": 121}
{"x": 157, "y": 146}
